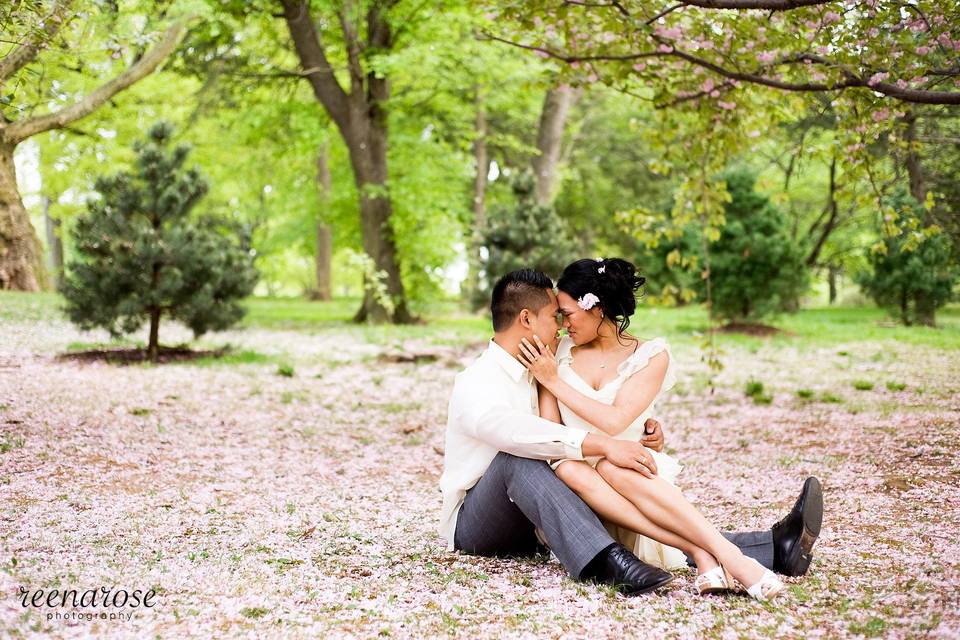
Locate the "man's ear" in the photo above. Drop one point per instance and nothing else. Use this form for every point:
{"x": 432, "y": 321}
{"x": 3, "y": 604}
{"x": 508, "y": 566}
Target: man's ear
{"x": 525, "y": 320}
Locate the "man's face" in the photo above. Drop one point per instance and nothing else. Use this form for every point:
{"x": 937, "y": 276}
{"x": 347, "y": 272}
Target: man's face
{"x": 546, "y": 322}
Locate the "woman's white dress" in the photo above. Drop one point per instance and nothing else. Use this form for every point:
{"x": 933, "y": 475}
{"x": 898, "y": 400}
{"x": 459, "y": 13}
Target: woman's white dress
{"x": 668, "y": 468}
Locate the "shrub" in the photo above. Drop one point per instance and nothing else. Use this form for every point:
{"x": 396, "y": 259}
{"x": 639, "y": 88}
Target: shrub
{"x": 805, "y": 394}
{"x": 862, "y": 385}
{"x": 139, "y": 257}
{"x": 896, "y": 386}
{"x": 913, "y": 273}
{"x": 756, "y": 268}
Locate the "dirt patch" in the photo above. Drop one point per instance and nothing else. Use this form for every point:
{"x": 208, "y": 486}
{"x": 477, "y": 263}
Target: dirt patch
{"x": 137, "y": 356}
{"x": 752, "y": 329}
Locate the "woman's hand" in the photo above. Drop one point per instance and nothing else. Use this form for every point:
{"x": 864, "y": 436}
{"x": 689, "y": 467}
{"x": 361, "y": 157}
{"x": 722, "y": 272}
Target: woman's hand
{"x": 539, "y": 360}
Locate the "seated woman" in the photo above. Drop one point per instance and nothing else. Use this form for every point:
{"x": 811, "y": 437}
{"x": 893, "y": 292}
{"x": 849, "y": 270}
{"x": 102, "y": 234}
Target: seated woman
{"x": 607, "y": 381}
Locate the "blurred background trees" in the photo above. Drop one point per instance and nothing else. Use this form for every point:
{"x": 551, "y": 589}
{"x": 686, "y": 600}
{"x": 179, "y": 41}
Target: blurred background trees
{"x": 400, "y": 152}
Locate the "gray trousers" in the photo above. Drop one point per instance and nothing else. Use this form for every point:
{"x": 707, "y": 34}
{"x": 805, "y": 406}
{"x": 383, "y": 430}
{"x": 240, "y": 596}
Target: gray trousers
{"x": 516, "y": 495}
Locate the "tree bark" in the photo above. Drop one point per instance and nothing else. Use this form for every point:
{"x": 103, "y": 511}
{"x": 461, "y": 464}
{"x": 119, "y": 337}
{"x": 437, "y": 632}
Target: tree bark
{"x": 55, "y": 245}
{"x": 553, "y": 119}
{"x": 918, "y": 187}
{"x": 361, "y": 119}
{"x": 481, "y": 163}
{"x": 19, "y": 248}
{"x": 832, "y": 273}
{"x": 324, "y": 256}
{"x": 153, "y": 347}
{"x": 20, "y": 255}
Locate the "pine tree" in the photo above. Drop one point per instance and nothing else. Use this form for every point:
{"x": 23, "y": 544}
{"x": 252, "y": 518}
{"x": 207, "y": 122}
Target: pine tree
{"x": 140, "y": 256}
{"x": 755, "y": 267}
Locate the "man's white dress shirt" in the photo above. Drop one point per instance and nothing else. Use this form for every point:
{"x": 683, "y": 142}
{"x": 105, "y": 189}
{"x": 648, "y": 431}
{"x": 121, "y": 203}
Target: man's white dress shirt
{"x": 494, "y": 408}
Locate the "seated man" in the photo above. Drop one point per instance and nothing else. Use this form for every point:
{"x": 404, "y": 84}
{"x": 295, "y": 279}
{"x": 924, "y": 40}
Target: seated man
{"x": 498, "y": 491}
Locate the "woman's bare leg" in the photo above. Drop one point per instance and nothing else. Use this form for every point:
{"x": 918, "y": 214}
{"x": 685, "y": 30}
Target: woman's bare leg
{"x": 664, "y": 505}
{"x": 613, "y": 507}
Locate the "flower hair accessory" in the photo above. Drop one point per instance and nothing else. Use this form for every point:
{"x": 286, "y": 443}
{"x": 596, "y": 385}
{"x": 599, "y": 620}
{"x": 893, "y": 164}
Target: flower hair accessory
{"x": 587, "y": 301}
{"x": 602, "y": 268}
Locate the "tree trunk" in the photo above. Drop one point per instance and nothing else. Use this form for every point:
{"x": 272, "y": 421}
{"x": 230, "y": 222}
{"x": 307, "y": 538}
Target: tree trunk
{"x": 918, "y": 188}
{"x": 362, "y": 122}
{"x": 153, "y": 348}
{"x": 20, "y": 252}
{"x": 324, "y": 256}
{"x": 553, "y": 119}
{"x": 832, "y": 272}
{"x": 481, "y": 168}
{"x": 369, "y": 159}
{"x": 55, "y": 244}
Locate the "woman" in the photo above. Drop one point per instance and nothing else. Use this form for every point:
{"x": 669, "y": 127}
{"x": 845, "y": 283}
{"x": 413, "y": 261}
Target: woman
{"x": 605, "y": 380}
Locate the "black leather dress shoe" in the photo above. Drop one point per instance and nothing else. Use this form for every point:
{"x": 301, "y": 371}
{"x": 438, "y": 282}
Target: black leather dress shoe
{"x": 617, "y": 566}
{"x": 793, "y": 537}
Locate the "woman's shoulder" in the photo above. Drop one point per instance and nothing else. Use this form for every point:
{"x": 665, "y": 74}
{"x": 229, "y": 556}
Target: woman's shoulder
{"x": 646, "y": 351}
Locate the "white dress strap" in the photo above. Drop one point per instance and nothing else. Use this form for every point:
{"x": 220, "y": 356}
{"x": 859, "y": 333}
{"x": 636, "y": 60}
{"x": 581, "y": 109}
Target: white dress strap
{"x": 641, "y": 358}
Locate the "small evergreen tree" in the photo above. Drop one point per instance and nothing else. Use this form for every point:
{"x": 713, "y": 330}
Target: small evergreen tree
{"x": 913, "y": 275}
{"x": 524, "y": 235}
{"x": 755, "y": 267}
{"x": 139, "y": 257}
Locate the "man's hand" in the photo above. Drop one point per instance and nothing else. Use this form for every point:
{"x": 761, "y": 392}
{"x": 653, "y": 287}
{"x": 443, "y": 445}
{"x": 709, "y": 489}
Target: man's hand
{"x": 629, "y": 455}
{"x": 652, "y": 435}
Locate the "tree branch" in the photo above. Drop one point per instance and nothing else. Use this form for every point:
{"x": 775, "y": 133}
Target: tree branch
{"x": 26, "y": 52}
{"x": 23, "y": 129}
{"x": 352, "y": 42}
{"x": 314, "y": 61}
{"x": 765, "y": 5}
{"x": 922, "y": 96}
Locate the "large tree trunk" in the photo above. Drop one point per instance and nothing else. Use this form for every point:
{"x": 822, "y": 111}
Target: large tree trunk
{"x": 19, "y": 249}
{"x": 361, "y": 119}
{"x": 553, "y": 119}
{"x": 481, "y": 167}
{"x": 324, "y": 256}
{"x": 369, "y": 160}
{"x": 55, "y": 243}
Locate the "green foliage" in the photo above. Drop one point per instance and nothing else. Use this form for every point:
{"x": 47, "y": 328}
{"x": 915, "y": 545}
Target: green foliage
{"x": 285, "y": 370}
{"x": 863, "y": 385}
{"x": 754, "y": 390}
{"x": 755, "y": 269}
{"x": 525, "y": 235}
{"x": 896, "y": 386}
{"x": 913, "y": 273}
{"x": 138, "y": 253}
{"x": 805, "y": 394}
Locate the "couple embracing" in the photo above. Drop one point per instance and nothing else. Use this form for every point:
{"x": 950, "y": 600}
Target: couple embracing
{"x": 551, "y": 444}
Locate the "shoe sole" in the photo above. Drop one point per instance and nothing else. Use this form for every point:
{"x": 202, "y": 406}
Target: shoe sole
{"x": 653, "y": 587}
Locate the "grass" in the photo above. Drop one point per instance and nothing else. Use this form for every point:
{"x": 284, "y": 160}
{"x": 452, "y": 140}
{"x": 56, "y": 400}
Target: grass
{"x": 446, "y": 322}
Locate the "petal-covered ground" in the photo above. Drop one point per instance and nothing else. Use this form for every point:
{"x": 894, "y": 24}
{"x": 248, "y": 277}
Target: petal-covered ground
{"x": 258, "y": 504}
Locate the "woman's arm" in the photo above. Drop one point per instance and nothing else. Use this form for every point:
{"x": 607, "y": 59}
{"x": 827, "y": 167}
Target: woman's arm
{"x": 634, "y": 396}
{"x": 549, "y": 409}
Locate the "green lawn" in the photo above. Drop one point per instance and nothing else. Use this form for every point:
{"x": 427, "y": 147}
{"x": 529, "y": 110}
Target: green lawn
{"x": 447, "y": 321}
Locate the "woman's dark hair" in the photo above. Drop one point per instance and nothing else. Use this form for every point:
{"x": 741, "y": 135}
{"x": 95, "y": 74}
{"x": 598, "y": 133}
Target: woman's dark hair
{"x": 613, "y": 280}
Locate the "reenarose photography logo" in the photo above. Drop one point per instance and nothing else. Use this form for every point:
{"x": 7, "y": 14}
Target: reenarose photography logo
{"x": 105, "y": 603}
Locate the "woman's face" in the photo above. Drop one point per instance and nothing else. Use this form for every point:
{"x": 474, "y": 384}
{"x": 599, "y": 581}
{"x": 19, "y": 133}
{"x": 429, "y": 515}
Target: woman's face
{"x": 581, "y": 325}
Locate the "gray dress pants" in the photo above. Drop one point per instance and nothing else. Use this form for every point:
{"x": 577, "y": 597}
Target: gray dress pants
{"x": 516, "y": 496}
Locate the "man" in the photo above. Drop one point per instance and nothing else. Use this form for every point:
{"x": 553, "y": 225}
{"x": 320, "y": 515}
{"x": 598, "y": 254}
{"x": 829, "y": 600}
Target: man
{"x": 499, "y": 493}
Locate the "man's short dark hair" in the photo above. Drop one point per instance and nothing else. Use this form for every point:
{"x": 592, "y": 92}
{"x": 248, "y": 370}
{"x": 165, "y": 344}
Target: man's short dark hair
{"x": 516, "y": 291}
